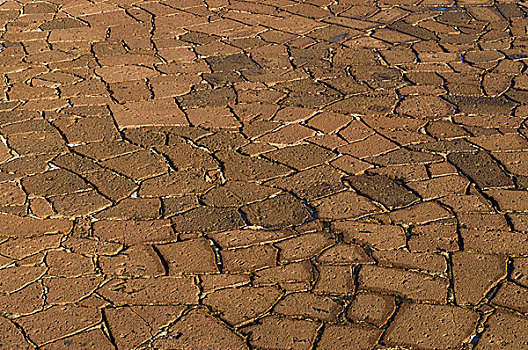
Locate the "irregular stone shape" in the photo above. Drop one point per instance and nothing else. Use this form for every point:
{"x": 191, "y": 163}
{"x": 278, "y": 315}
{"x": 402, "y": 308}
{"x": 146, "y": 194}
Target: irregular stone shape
{"x": 132, "y": 208}
{"x": 301, "y": 156}
{"x": 431, "y": 326}
{"x": 381, "y": 237}
{"x": 54, "y": 182}
{"x": 512, "y": 296}
{"x": 206, "y": 98}
{"x": 448, "y": 146}
{"x": 133, "y": 325}
{"x": 351, "y": 165}
{"x": 207, "y": 219}
{"x": 17, "y": 277}
{"x": 483, "y": 222}
{"x": 510, "y": 200}
{"x": 408, "y": 284}
{"x": 305, "y": 246}
{"x": 182, "y": 155}
{"x": 371, "y": 308}
{"x": 92, "y": 339}
{"x": 432, "y": 263}
{"x": 497, "y": 241}
{"x": 11, "y": 194}
{"x": 481, "y": 169}
{"x": 248, "y": 237}
{"x": 510, "y": 11}
{"x": 177, "y": 183}
{"x": 223, "y": 140}
{"x": 239, "y": 167}
{"x": 27, "y": 165}
{"x": 69, "y": 290}
{"x": 344, "y": 205}
{"x": 152, "y": 291}
{"x": 57, "y": 322}
{"x": 475, "y": 274}
{"x": 145, "y": 137}
{"x": 257, "y": 128}
{"x": 219, "y": 79}
{"x": 134, "y": 232}
{"x": 105, "y": 150}
{"x": 138, "y": 260}
{"x": 520, "y": 271}
{"x": 237, "y": 193}
{"x": 308, "y": 305}
{"x": 92, "y": 129}
{"x": 382, "y": 189}
{"x": 420, "y": 214}
{"x": 76, "y": 163}
{"x": 199, "y": 330}
{"x": 219, "y": 281}
{"x": 223, "y": 118}
{"x": 312, "y": 183}
{"x": 62, "y": 263}
{"x": 365, "y": 104}
{"x": 62, "y": 23}
{"x": 79, "y": 204}
{"x": 240, "y": 305}
{"x": 247, "y": 259}
{"x": 112, "y": 185}
{"x": 197, "y": 38}
{"x": 138, "y": 165}
{"x": 38, "y": 142}
{"x": 370, "y": 147}
{"x": 19, "y": 248}
{"x": 28, "y": 126}
{"x": 335, "y": 280}
{"x": 189, "y": 257}
{"x": 282, "y": 333}
{"x": 413, "y": 30}
{"x": 403, "y": 156}
{"x": 90, "y": 246}
{"x": 329, "y": 122}
{"x": 291, "y": 277}
{"x": 277, "y": 212}
{"x": 435, "y": 236}
{"x": 483, "y": 105}
{"x": 344, "y": 254}
{"x": 341, "y": 337}
{"x": 135, "y": 90}
{"x": 235, "y": 62}
{"x": 25, "y": 301}
{"x": 427, "y": 107}
{"x": 117, "y": 74}
{"x": 5, "y": 154}
{"x": 467, "y": 203}
{"x": 440, "y": 186}
{"x": 504, "y": 330}
{"x": 178, "y": 205}
{"x": 11, "y": 337}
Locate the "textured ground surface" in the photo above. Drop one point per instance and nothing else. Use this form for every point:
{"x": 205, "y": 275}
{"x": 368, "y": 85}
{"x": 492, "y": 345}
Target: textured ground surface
{"x": 264, "y": 174}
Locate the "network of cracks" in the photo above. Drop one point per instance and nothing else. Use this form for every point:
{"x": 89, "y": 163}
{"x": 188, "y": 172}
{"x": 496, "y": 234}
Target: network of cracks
{"x": 263, "y": 174}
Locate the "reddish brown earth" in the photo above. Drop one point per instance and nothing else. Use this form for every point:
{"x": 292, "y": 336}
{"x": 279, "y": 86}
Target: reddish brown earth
{"x": 263, "y": 174}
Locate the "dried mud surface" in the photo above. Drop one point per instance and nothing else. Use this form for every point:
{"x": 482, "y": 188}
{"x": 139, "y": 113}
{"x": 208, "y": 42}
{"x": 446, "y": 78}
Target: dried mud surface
{"x": 263, "y": 174}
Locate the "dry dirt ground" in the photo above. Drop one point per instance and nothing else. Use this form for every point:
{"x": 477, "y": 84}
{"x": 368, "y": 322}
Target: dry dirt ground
{"x": 263, "y": 174}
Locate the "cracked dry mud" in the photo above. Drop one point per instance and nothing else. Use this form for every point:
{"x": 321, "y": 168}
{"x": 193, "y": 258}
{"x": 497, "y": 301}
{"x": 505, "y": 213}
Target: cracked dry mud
{"x": 263, "y": 174}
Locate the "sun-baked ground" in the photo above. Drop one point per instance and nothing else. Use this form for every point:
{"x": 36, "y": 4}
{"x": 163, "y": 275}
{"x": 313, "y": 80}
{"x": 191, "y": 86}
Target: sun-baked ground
{"x": 263, "y": 174}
